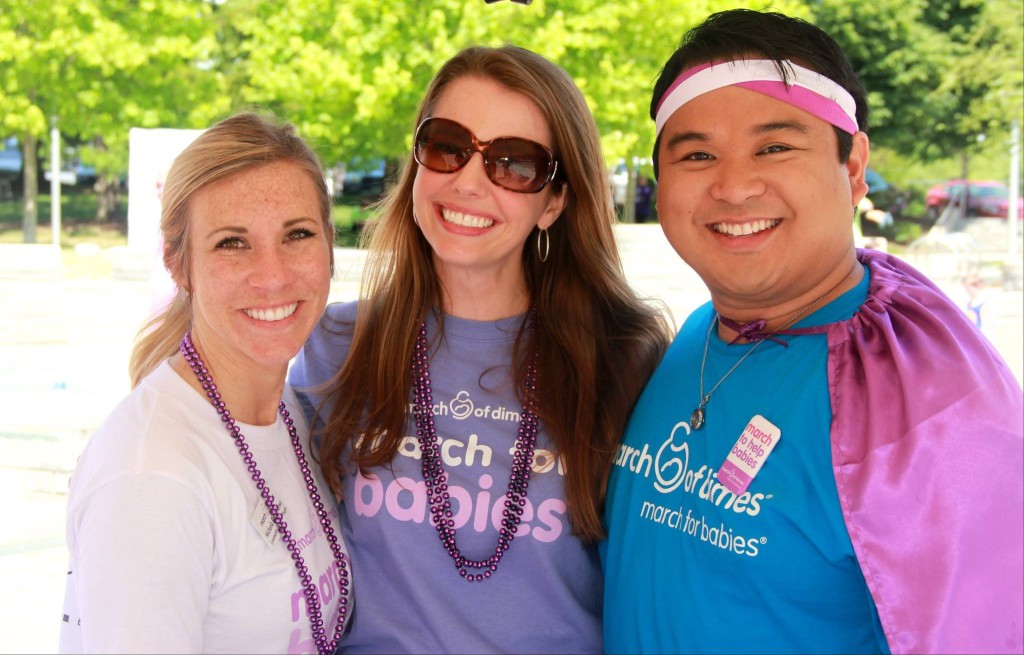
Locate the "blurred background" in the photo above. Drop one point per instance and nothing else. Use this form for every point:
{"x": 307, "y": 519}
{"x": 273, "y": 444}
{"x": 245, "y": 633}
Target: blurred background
{"x": 79, "y": 78}
{"x": 944, "y": 78}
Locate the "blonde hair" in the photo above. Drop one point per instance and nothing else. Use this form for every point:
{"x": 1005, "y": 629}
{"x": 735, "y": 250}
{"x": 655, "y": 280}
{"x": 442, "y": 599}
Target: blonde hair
{"x": 599, "y": 343}
{"x": 236, "y": 144}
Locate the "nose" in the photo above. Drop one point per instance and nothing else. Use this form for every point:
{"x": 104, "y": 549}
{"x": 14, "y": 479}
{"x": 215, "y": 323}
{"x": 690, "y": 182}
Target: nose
{"x": 472, "y": 178}
{"x": 272, "y": 268}
{"x": 737, "y": 181}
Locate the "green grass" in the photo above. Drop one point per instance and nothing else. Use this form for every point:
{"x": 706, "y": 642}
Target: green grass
{"x": 76, "y": 206}
{"x": 78, "y": 222}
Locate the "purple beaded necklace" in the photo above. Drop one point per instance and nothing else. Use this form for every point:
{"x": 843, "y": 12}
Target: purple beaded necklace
{"x": 436, "y": 478}
{"x": 316, "y": 618}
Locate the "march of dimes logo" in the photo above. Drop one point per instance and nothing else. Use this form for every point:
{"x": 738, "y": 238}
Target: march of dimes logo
{"x": 672, "y": 474}
{"x": 404, "y": 498}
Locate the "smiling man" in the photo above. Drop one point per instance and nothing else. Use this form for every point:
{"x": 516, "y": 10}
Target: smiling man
{"x": 829, "y": 457}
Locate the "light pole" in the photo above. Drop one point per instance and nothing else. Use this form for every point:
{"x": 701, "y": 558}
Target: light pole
{"x": 55, "y": 180}
{"x": 1013, "y": 267}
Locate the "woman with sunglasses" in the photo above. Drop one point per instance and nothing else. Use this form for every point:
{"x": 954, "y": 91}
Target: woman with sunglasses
{"x": 473, "y": 399}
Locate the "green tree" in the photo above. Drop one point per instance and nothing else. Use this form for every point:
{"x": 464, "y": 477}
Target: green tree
{"x": 938, "y": 72}
{"x": 352, "y": 74}
{"x": 993, "y": 56}
{"x": 100, "y": 66}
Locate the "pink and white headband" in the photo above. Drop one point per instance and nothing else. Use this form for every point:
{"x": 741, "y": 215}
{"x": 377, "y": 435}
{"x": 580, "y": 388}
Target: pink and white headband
{"x": 805, "y": 89}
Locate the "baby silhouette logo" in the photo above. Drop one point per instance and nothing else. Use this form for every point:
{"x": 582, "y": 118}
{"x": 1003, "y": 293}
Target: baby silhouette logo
{"x": 671, "y": 466}
{"x": 462, "y": 405}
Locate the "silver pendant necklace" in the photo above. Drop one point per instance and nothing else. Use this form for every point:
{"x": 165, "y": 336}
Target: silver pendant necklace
{"x": 699, "y": 415}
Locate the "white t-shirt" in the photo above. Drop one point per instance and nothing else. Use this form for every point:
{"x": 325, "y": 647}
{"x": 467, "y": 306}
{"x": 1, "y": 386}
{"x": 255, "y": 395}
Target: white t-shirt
{"x": 162, "y": 530}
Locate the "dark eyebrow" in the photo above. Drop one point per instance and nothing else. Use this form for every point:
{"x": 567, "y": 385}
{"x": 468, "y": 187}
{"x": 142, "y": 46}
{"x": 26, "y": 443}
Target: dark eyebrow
{"x": 782, "y": 126}
{"x": 684, "y": 137}
{"x": 764, "y": 128}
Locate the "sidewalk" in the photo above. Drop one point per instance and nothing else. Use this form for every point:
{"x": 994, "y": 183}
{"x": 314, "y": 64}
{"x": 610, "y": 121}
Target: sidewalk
{"x": 64, "y": 347}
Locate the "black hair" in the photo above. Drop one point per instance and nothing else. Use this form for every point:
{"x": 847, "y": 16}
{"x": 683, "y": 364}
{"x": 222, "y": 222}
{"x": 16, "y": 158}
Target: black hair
{"x": 742, "y": 33}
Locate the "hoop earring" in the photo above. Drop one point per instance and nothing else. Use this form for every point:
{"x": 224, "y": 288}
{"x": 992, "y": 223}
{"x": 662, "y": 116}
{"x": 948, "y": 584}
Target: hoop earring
{"x": 543, "y": 250}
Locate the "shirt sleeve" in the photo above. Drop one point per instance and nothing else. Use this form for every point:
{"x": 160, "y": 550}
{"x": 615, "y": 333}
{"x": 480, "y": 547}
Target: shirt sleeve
{"x": 322, "y": 355}
{"x": 142, "y": 566}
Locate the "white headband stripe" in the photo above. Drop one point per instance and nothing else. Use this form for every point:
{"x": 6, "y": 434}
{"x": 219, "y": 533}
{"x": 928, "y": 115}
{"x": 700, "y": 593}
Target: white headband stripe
{"x": 827, "y": 95}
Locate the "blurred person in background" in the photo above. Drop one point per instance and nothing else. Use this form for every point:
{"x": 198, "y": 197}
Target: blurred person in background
{"x": 644, "y": 198}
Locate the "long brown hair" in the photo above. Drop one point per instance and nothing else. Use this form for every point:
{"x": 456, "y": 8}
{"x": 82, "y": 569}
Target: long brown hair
{"x": 598, "y": 342}
{"x": 236, "y": 144}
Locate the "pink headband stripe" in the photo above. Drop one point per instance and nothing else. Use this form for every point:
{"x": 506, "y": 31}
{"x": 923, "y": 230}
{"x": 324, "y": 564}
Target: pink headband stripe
{"x": 824, "y": 108}
{"x": 806, "y": 90}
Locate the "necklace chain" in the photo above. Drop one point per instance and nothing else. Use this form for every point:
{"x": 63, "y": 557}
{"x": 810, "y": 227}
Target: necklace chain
{"x": 436, "y": 478}
{"x": 699, "y": 415}
{"x": 313, "y": 608}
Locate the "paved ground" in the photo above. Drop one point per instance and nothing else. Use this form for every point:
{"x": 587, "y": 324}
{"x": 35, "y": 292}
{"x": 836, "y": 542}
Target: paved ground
{"x": 64, "y": 347}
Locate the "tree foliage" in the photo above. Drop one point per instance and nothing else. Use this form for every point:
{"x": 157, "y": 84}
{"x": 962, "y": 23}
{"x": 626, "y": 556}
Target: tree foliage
{"x": 939, "y": 72}
{"x": 351, "y": 74}
{"x": 100, "y": 67}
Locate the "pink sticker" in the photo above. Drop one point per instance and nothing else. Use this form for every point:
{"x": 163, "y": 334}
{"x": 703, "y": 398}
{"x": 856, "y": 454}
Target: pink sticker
{"x": 747, "y": 456}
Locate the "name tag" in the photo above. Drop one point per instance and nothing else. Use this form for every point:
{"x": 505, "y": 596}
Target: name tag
{"x": 264, "y": 522}
{"x": 747, "y": 456}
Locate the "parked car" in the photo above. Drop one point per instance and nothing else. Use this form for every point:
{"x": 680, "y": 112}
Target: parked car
{"x": 75, "y": 174}
{"x": 885, "y": 195}
{"x": 364, "y": 176}
{"x": 984, "y": 198}
{"x": 73, "y": 171}
{"x": 10, "y": 158}
{"x": 882, "y": 206}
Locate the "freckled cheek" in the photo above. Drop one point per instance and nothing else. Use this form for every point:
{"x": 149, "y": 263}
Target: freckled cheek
{"x": 315, "y": 272}
{"x": 218, "y": 282}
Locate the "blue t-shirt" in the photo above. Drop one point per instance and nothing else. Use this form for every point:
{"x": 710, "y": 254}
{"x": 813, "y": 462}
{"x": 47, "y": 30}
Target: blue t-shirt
{"x": 545, "y": 596}
{"x": 692, "y": 567}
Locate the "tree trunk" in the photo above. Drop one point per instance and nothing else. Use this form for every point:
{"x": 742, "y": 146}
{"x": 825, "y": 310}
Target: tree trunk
{"x": 107, "y": 188}
{"x": 30, "y": 180}
{"x": 108, "y": 198}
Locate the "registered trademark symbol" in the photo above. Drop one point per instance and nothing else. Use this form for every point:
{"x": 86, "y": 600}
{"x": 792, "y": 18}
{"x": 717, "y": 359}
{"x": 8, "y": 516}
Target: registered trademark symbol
{"x": 770, "y": 496}
{"x": 764, "y": 540}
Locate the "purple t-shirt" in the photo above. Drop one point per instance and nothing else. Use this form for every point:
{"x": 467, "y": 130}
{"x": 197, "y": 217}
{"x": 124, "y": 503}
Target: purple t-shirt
{"x": 546, "y": 595}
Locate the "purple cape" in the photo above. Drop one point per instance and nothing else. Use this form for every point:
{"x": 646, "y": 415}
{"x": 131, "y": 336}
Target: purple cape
{"x": 928, "y": 454}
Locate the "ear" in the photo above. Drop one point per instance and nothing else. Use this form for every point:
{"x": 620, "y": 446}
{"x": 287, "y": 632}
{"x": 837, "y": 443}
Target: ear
{"x": 554, "y": 208}
{"x": 856, "y": 166}
{"x": 180, "y": 278}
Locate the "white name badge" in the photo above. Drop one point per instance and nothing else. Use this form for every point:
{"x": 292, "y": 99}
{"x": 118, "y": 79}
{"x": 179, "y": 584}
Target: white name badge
{"x": 747, "y": 456}
{"x": 264, "y": 522}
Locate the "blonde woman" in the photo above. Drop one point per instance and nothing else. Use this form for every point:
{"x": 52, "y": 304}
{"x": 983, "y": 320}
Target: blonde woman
{"x": 478, "y": 390}
{"x": 196, "y": 522}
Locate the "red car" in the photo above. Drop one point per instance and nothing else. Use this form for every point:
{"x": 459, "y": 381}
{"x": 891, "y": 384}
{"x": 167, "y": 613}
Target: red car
{"x": 985, "y": 198}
